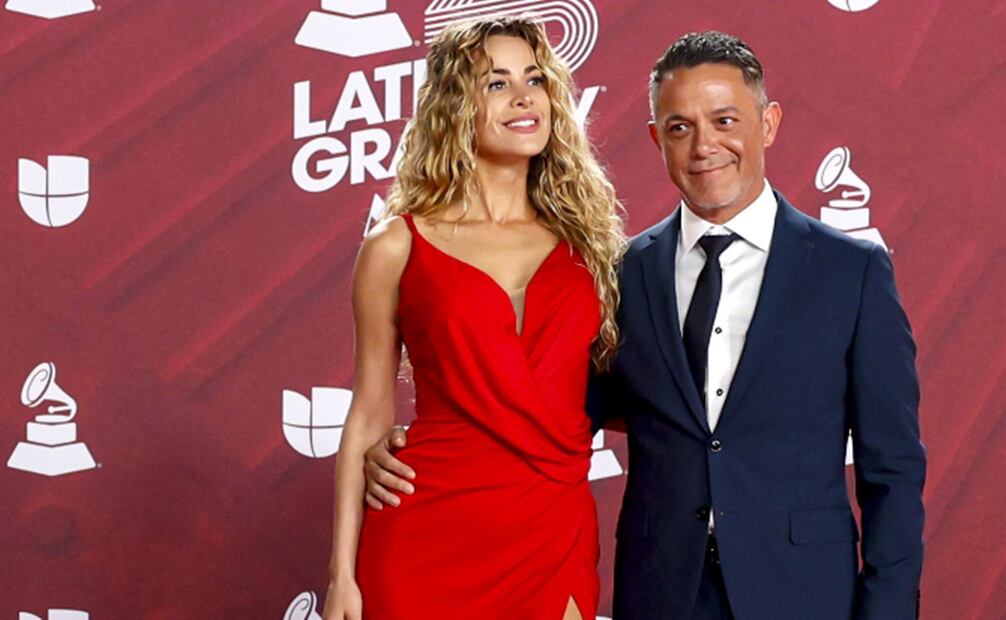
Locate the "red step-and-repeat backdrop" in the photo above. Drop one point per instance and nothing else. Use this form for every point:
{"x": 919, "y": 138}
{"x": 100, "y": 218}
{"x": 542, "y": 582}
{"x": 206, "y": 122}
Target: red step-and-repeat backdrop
{"x": 185, "y": 185}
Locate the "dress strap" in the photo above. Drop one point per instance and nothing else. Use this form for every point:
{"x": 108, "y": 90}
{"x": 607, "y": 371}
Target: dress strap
{"x": 411, "y": 224}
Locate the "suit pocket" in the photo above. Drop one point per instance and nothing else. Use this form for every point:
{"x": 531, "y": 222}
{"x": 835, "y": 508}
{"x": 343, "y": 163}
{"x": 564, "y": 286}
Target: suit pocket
{"x": 829, "y": 525}
{"x": 632, "y": 523}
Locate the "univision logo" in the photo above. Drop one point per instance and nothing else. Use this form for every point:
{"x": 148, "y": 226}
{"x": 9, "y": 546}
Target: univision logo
{"x": 852, "y": 6}
{"x": 50, "y": 9}
{"x": 54, "y": 195}
{"x": 313, "y": 427}
{"x": 56, "y": 614}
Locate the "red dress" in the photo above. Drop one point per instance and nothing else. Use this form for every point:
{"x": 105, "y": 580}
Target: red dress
{"x": 502, "y": 523}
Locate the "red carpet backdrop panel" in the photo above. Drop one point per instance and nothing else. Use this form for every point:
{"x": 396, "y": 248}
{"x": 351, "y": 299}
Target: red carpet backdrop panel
{"x": 184, "y": 186}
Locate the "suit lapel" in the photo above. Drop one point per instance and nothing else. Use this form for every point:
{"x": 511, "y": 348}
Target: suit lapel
{"x": 658, "y": 277}
{"x": 787, "y": 262}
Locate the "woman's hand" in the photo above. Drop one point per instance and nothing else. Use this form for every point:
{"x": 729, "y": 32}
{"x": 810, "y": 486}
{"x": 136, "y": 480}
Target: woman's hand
{"x": 343, "y": 600}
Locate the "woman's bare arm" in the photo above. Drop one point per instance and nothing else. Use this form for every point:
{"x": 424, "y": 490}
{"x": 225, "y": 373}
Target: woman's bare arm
{"x": 376, "y": 276}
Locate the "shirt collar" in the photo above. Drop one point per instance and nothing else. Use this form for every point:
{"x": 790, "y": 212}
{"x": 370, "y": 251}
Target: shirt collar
{"x": 754, "y": 224}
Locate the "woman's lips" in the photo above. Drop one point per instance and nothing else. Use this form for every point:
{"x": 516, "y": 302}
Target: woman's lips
{"x": 524, "y": 124}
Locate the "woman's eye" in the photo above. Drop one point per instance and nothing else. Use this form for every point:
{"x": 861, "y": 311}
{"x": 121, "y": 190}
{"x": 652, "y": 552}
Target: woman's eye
{"x": 536, "y": 81}
{"x": 496, "y": 85}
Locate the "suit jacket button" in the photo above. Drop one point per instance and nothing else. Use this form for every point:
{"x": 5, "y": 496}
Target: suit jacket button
{"x": 702, "y": 514}
{"x": 716, "y": 445}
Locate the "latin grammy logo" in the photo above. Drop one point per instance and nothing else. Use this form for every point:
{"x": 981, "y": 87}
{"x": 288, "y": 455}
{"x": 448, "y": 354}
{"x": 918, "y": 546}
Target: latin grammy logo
{"x": 603, "y": 462}
{"x": 353, "y": 28}
{"x": 576, "y": 19}
{"x": 51, "y": 448}
{"x": 303, "y": 607}
{"x": 50, "y": 9}
{"x": 847, "y": 212}
{"x": 377, "y": 208}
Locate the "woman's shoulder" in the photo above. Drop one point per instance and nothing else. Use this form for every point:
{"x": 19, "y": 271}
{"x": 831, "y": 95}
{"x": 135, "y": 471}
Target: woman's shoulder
{"x": 388, "y": 243}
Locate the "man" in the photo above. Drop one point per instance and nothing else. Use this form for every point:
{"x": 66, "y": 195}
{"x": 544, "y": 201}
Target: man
{"x": 754, "y": 340}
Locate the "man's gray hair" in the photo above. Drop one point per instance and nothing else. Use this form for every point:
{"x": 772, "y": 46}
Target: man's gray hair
{"x": 696, "y": 48}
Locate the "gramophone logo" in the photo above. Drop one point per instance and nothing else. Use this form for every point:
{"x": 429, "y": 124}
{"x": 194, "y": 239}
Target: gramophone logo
{"x": 55, "y": 195}
{"x": 846, "y": 210}
{"x": 314, "y": 427}
{"x": 50, "y": 9}
{"x": 577, "y": 20}
{"x": 51, "y": 448}
{"x": 603, "y": 462}
{"x": 852, "y": 6}
{"x": 55, "y": 614}
{"x": 303, "y": 607}
{"x": 353, "y": 28}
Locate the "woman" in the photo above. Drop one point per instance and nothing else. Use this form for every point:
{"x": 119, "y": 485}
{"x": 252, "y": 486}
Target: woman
{"x": 496, "y": 268}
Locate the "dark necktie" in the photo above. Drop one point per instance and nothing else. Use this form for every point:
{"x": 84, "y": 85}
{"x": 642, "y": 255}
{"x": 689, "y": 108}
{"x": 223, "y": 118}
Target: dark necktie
{"x": 702, "y": 310}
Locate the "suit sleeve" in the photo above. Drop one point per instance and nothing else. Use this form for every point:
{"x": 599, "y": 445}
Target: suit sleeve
{"x": 599, "y": 398}
{"x": 606, "y": 396}
{"x": 890, "y": 460}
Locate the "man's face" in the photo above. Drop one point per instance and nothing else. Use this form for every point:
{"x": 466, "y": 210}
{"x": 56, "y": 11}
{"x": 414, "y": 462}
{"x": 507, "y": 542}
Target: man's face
{"x": 712, "y": 134}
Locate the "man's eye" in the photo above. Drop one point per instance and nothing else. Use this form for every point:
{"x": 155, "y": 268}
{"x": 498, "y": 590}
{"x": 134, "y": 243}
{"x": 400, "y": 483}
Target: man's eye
{"x": 678, "y": 128}
{"x": 726, "y": 120}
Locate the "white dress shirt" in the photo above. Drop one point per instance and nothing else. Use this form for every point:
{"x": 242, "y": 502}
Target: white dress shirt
{"x": 743, "y": 266}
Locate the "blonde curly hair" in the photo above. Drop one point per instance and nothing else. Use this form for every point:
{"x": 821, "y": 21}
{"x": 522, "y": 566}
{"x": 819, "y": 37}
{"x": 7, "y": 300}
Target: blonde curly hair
{"x": 567, "y": 187}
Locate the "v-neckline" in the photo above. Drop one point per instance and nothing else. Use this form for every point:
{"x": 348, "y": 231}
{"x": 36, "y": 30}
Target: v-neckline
{"x": 485, "y": 274}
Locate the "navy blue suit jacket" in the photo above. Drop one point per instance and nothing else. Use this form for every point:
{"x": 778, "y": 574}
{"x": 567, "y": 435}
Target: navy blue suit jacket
{"x": 829, "y": 350}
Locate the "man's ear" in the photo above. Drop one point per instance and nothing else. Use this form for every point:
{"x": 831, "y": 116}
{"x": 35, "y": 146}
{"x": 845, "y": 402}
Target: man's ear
{"x": 771, "y": 117}
{"x": 652, "y": 126}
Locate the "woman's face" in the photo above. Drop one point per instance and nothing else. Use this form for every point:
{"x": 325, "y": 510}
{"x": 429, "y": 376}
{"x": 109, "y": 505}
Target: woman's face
{"x": 513, "y": 115}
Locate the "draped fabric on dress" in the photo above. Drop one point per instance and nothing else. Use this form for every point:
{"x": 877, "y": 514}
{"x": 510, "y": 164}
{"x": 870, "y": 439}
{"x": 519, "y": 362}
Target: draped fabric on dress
{"x": 502, "y": 522}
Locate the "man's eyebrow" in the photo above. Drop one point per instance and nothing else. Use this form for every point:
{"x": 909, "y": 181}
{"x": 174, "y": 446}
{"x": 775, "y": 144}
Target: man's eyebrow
{"x": 674, "y": 117}
{"x": 724, "y": 110}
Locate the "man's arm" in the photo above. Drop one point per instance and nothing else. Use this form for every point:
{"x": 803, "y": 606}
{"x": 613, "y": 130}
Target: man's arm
{"x": 890, "y": 460}
{"x": 384, "y": 473}
{"x": 602, "y": 393}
